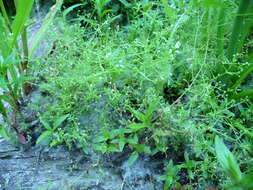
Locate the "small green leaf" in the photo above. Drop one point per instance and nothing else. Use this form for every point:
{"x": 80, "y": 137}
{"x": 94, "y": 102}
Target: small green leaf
{"x": 43, "y": 136}
{"x": 133, "y": 158}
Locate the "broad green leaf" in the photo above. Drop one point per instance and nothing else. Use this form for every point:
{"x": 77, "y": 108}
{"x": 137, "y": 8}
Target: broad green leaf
{"x": 45, "y": 25}
{"x": 137, "y": 126}
{"x": 43, "y": 136}
{"x": 133, "y": 158}
{"x": 23, "y": 12}
{"x": 227, "y": 161}
{"x": 59, "y": 121}
{"x": 137, "y": 114}
{"x": 3, "y": 133}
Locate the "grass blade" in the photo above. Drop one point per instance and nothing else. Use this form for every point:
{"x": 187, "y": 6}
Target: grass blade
{"x": 23, "y": 13}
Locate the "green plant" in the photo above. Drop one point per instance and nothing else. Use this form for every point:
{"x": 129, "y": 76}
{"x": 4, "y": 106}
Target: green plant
{"x": 12, "y": 84}
{"x": 239, "y": 180}
{"x": 47, "y": 135}
{"x": 110, "y": 89}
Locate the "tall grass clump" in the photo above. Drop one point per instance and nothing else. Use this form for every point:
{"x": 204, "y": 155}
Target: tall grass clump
{"x": 15, "y": 60}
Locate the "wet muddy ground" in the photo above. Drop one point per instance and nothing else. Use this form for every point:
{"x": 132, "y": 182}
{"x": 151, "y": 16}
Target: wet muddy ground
{"x": 44, "y": 168}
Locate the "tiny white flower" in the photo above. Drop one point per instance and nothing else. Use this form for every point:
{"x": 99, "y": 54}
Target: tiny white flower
{"x": 178, "y": 44}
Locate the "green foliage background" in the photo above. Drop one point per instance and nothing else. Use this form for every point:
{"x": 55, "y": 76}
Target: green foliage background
{"x": 152, "y": 77}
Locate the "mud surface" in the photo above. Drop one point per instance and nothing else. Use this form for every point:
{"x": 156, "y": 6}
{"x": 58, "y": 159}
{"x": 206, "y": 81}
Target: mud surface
{"x": 43, "y": 168}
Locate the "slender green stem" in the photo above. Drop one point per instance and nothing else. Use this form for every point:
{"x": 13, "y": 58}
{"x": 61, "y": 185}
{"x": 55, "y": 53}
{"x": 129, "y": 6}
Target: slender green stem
{"x": 24, "y": 64}
{"x": 25, "y": 49}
